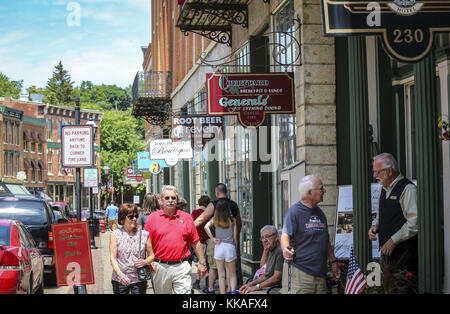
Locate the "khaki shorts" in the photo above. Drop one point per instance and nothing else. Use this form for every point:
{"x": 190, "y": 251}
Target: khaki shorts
{"x": 112, "y": 224}
{"x": 210, "y": 254}
{"x": 302, "y": 283}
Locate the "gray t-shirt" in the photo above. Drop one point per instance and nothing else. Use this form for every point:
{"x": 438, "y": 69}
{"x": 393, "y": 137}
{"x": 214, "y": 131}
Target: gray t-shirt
{"x": 274, "y": 261}
{"x": 308, "y": 233}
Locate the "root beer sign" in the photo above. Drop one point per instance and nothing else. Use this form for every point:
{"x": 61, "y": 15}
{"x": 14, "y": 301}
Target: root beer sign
{"x": 406, "y": 27}
{"x": 199, "y": 129}
{"x": 250, "y": 96}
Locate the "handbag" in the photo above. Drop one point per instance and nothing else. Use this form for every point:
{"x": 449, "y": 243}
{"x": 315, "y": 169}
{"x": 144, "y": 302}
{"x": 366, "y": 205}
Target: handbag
{"x": 144, "y": 273}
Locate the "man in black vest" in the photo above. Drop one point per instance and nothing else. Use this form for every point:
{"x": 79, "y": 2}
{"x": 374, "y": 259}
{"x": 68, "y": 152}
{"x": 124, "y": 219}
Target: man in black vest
{"x": 221, "y": 194}
{"x": 396, "y": 222}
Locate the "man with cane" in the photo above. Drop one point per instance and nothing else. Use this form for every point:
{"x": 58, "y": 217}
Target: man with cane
{"x": 305, "y": 242}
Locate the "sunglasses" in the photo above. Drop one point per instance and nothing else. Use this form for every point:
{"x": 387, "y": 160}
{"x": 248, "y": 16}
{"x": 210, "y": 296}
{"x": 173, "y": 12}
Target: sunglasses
{"x": 170, "y": 198}
{"x": 132, "y": 216}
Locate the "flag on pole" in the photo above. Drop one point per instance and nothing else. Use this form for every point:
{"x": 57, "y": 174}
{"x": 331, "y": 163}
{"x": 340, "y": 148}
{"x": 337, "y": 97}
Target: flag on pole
{"x": 356, "y": 281}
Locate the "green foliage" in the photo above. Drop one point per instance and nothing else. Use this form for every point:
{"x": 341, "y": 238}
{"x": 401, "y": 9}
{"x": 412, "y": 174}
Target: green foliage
{"x": 9, "y": 87}
{"x": 59, "y": 87}
{"x": 121, "y": 140}
{"x": 35, "y": 90}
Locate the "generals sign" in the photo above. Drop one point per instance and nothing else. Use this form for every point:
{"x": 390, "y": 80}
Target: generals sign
{"x": 406, "y": 27}
{"x": 250, "y": 96}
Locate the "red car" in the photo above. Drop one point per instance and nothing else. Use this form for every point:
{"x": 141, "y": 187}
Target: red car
{"x": 21, "y": 263}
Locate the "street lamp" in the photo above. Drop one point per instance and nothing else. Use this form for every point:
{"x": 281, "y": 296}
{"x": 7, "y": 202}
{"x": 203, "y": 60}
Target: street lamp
{"x": 91, "y": 211}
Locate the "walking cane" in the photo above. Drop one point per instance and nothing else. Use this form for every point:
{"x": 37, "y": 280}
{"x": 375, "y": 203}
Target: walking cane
{"x": 289, "y": 270}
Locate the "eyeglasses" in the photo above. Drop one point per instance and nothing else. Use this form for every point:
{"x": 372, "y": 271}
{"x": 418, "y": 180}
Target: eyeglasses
{"x": 321, "y": 188}
{"x": 170, "y": 198}
{"x": 377, "y": 172}
{"x": 132, "y": 216}
{"x": 266, "y": 237}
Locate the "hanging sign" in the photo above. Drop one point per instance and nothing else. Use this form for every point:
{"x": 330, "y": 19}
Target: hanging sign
{"x": 170, "y": 151}
{"x": 77, "y": 146}
{"x": 406, "y": 27}
{"x": 198, "y": 129}
{"x": 73, "y": 257}
{"x": 250, "y": 96}
{"x": 145, "y": 164}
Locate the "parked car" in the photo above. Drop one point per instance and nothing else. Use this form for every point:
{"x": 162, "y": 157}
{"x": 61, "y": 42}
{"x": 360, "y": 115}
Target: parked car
{"x": 21, "y": 263}
{"x": 38, "y": 216}
{"x": 64, "y": 207}
{"x": 60, "y": 214}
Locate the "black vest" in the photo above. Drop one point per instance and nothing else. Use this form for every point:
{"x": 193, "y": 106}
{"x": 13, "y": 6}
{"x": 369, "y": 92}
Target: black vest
{"x": 391, "y": 217}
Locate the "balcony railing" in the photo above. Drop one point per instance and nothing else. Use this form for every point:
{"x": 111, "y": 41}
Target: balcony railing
{"x": 151, "y": 96}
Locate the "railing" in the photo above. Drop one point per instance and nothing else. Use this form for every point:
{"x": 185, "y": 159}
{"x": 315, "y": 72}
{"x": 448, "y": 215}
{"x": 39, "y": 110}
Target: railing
{"x": 153, "y": 84}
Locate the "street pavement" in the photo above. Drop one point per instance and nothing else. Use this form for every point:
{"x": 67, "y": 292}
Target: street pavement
{"x": 103, "y": 271}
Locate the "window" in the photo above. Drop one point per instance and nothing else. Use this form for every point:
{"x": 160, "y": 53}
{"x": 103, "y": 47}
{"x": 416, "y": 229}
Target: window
{"x": 11, "y": 132}
{"x": 25, "y": 141}
{"x": 17, "y": 134}
{"x": 11, "y": 164}
{"x": 5, "y": 131}
{"x": 32, "y": 143}
{"x": 17, "y": 163}
{"x": 5, "y": 164}
{"x": 50, "y": 162}
{"x": 49, "y": 129}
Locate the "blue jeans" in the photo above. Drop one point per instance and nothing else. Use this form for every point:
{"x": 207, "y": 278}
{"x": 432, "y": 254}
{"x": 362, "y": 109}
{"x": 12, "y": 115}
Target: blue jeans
{"x": 135, "y": 288}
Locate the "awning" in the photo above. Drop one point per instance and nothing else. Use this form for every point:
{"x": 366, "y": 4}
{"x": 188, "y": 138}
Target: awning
{"x": 26, "y": 164}
{"x": 26, "y": 135}
{"x": 41, "y": 138}
{"x": 34, "y": 136}
{"x": 35, "y": 164}
{"x": 42, "y": 165}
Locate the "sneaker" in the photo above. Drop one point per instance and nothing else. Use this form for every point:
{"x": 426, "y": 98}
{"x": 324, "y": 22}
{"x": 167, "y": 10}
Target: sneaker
{"x": 205, "y": 290}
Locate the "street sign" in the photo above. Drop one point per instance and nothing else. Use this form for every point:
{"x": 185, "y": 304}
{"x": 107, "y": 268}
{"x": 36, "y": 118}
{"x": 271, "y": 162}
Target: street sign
{"x": 73, "y": 257}
{"x": 407, "y": 28}
{"x": 170, "y": 151}
{"x": 90, "y": 177}
{"x": 77, "y": 146}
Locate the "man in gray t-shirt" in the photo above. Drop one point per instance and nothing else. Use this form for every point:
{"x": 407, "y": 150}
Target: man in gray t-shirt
{"x": 272, "y": 258}
{"x": 305, "y": 241}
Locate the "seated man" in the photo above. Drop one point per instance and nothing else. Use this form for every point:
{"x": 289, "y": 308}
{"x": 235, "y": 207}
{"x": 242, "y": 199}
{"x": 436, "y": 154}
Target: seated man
{"x": 274, "y": 260}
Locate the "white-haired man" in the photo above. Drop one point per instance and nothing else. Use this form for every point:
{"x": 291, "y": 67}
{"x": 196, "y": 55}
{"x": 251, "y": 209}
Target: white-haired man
{"x": 396, "y": 220}
{"x": 305, "y": 241}
{"x": 172, "y": 231}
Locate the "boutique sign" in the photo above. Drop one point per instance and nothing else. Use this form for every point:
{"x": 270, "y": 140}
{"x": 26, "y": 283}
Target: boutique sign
{"x": 406, "y": 27}
{"x": 250, "y": 96}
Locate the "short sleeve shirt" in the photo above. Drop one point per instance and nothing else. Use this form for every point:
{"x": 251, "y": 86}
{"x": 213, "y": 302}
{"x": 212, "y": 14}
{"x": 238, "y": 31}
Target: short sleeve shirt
{"x": 171, "y": 235}
{"x": 308, "y": 232}
{"x": 112, "y": 211}
{"x": 274, "y": 261}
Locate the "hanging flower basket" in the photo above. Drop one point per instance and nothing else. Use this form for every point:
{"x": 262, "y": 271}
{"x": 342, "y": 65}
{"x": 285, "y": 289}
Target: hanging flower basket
{"x": 442, "y": 124}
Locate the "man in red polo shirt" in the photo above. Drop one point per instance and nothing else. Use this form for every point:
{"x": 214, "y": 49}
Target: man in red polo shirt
{"x": 171, "y": 232}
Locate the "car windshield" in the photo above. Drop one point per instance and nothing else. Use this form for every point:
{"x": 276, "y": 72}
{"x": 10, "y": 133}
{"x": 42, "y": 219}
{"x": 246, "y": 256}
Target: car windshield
{"x": 28, "y": 212}
{"x": 4, "y": 235}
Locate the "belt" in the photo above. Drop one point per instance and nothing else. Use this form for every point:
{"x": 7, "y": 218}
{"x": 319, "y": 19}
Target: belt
{"x": 171, "y": 262}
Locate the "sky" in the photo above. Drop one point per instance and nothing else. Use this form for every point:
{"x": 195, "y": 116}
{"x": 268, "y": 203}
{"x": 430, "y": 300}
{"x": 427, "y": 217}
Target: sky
{"x": 96, "y": 40}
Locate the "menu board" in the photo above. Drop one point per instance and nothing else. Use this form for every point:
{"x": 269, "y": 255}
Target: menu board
{"x": 73, "y": 254}
{"x": 344, "y": 221}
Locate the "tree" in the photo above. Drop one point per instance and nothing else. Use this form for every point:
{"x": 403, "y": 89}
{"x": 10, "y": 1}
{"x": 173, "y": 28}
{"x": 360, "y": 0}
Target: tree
{"x": 9, "y": 87}
{"x": 59, "y": 87}
{"x": 121, "y": 139}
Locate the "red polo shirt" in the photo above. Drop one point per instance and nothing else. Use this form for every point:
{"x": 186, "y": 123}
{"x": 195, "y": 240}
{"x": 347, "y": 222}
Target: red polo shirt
{"x": 171, "y": 235}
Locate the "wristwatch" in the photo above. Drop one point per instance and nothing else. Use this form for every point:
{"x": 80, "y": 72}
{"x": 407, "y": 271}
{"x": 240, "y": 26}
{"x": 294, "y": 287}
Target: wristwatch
{"x": 203, "y": 264}
{"x": 257, "y": 286}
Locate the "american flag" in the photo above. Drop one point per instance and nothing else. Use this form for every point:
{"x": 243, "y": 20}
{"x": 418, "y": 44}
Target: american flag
{"x": 356, "y": 282}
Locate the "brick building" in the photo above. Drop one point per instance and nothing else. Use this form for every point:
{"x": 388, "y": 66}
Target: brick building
{"x": 41, "y": 129}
